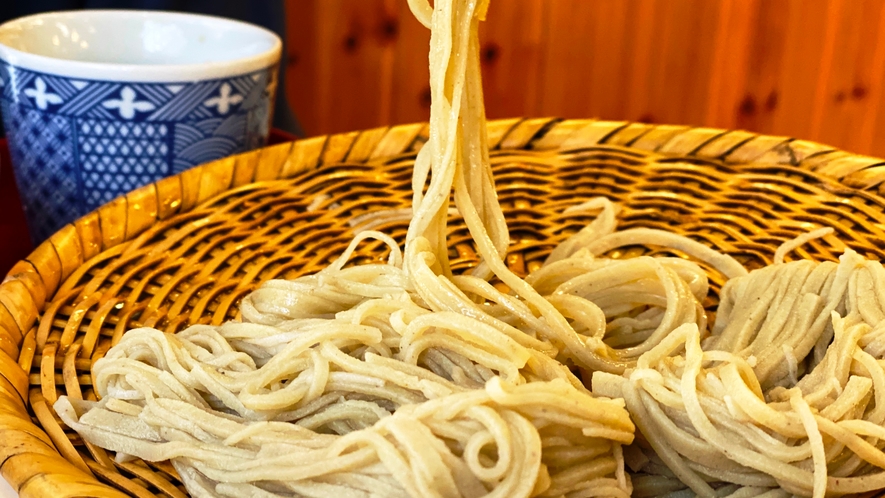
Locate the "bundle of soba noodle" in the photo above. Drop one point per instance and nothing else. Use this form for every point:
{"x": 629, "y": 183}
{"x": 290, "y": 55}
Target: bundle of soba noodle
{"x": 785, "y": 396}
{"x": 404, "y": 379}
{"x": 386, "y": 380}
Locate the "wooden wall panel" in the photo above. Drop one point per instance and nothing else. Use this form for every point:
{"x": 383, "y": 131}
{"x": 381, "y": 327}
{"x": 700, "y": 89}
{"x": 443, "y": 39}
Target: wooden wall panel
{"x": 410, "y": 87}
{"x": 512, "y": 57}
{"x": 732, "y": 41}
{"x": 807, "y": 68}
{"x": 871, "y": 131}
{"x": 761, "y": 68}
{"x": 302, "y": 60}
{"x": 804, "y": 64}
{"x": 846, "y": 108}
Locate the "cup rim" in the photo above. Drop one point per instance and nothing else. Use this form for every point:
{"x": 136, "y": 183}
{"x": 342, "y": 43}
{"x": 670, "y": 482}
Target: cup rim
{"x": 149, "y": 73}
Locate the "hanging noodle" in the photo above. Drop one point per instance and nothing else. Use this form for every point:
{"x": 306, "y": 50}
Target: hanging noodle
{"x": 381, "y": 379}
{"x": 404, "y": 379}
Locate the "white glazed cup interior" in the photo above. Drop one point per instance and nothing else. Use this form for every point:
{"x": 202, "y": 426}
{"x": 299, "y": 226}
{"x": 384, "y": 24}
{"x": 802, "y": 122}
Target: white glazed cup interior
{"x": 129, "y": 45}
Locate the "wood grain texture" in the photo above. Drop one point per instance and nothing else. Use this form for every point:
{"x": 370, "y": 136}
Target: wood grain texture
{"x": 810, "y": 69}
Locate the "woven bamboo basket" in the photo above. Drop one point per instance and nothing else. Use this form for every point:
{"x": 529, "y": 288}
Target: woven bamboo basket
{"x": 185, "y": 249}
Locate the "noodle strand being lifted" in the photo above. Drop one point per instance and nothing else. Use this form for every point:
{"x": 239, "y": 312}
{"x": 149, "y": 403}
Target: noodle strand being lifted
{"x": 395, "y": 379}
{"x": 403, "y": 379}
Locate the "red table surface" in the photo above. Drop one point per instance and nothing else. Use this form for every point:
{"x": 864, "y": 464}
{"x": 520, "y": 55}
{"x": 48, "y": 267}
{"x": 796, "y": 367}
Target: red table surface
{"x": 15, "y": 243}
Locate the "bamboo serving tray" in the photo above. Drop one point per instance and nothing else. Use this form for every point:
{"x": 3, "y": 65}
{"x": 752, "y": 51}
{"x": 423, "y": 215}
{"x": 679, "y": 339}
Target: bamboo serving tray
{"x": 186, "y": 249}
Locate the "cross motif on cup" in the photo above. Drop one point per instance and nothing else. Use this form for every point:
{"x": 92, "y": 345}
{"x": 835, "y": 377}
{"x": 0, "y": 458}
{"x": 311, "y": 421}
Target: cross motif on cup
{"x": 40, "y": 96}
{"x": 127, "y": 105}
{"x": 224, "y": 99}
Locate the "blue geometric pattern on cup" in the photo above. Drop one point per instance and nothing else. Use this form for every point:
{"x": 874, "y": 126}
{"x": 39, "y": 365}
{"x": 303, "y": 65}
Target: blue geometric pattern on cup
{"x": 119, "y": 157}
{"x": 45, "y": 143}
{"x": 91, "y": 141}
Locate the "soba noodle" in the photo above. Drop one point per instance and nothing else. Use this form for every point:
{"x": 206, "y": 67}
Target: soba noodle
{"x": 395, "y": 379}
{"x": 788, "y": 390}
{"x": 404, "y": 379}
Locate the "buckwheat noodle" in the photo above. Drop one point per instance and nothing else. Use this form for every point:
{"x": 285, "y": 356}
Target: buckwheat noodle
{"x": 397, "y": 379}
{"x": 405, "y": 379}
{"x": 785, "y": 396}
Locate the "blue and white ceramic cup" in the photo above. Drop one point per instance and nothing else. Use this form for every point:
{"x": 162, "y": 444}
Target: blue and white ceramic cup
{"x": 98, "y": 103}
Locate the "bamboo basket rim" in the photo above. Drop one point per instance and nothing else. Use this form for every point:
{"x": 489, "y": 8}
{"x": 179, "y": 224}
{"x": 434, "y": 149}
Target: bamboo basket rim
{"x": 27, "y": 455}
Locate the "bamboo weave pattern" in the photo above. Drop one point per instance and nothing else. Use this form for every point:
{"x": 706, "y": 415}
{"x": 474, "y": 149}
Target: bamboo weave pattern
{"x": 187, "y": 248}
